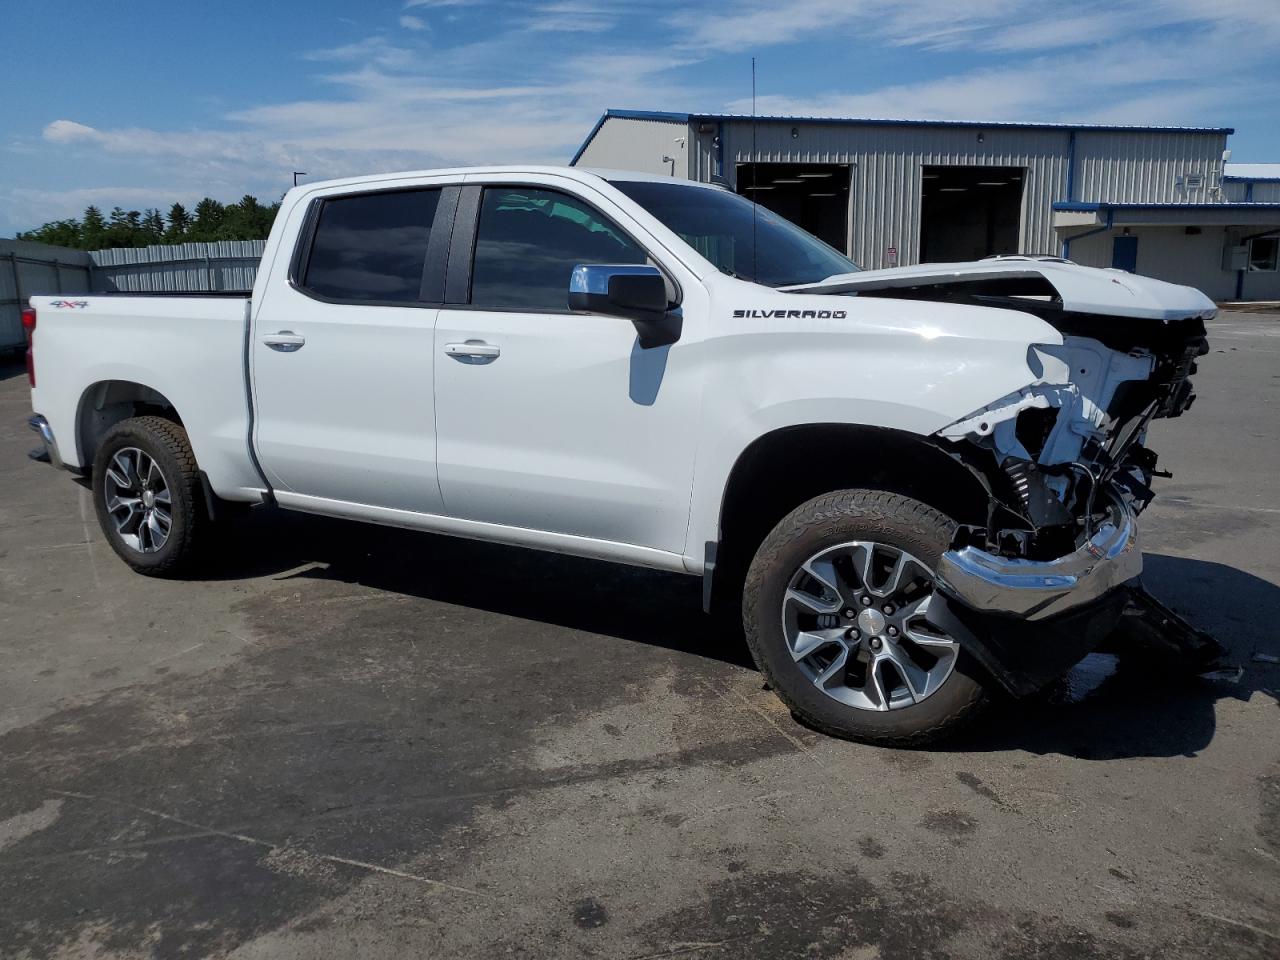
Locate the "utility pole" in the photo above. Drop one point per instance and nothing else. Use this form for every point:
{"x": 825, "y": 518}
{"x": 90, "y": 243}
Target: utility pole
{"x": 297, "y": 174}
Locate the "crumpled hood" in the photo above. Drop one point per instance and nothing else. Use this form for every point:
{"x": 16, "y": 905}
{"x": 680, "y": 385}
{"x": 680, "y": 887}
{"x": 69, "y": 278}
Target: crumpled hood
{"x": 1080, "y": 289}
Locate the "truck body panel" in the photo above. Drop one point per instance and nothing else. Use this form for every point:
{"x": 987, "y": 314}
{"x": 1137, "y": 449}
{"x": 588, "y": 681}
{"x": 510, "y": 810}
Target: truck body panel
{"x": 560, "y": 428}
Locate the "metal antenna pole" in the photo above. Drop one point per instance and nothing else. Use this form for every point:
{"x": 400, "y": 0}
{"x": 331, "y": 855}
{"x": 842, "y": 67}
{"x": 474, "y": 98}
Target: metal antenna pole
{"x": 754, "y": 161}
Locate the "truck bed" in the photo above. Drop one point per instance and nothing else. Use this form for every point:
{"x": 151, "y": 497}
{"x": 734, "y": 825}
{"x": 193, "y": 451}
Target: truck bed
{"x": 88, "y": 350}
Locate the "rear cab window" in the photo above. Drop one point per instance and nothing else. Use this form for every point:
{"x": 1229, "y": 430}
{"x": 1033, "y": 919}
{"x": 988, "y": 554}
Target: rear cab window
{"x": 371, "y": 248}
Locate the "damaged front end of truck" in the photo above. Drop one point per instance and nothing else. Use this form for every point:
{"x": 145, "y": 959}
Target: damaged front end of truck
{"x": 1054, "y": 570}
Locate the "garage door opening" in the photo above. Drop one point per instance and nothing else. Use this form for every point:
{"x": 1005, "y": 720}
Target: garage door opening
{"x": 814, "y": 196}
{"x": 967, "y": 213}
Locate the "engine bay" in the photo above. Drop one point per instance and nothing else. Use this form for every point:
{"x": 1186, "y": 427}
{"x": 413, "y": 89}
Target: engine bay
{"x": 1062, "y": 454}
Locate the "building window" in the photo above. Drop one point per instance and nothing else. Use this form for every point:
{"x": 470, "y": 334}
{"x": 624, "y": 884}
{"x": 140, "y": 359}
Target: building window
{"x": 1263, "y": 252}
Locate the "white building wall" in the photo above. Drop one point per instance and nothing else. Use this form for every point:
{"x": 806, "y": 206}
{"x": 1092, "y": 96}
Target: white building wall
{"x": 625, "y": 144}
{"x": 1170, "y": 253}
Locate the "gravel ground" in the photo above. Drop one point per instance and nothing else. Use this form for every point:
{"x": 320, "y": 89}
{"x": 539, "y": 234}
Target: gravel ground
{"x": 352, "y": 741}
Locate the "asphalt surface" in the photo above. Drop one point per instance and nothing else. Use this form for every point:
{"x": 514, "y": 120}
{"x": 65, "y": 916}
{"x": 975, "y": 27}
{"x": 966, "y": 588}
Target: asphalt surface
{"x": 354, "y": 741}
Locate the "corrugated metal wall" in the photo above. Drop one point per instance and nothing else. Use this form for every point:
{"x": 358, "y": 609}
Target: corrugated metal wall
{"x": 1134, "y": 167}
{"x": 1119, "y": 166}
{"x": 36, "y": 269}
{"x": 624, "y": 144}
{"x": 29, "y": 269}
{"x": 1264, "y": 191}
{"x": 887, "y": 172}
{"x": 181, "y": 267}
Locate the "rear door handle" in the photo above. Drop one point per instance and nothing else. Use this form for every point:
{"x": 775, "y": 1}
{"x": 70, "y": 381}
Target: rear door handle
{"x": 473, "y": 351}
{"x": 286, "y": 341}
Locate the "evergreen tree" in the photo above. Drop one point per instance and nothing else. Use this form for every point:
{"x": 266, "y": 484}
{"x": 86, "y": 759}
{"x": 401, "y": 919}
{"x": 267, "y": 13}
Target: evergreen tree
{"x": 209, "y": 216}
{"x": 152, "y": 226}
{"x": 93, "y": 229}
{"x": 179, "y": 224}
{"x": 248, "y": 219}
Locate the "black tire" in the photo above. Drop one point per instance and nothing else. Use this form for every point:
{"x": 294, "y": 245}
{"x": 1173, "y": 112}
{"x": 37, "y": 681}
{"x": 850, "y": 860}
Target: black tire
{"x": 826, "y": 521}
{"x": 166, "y": 443}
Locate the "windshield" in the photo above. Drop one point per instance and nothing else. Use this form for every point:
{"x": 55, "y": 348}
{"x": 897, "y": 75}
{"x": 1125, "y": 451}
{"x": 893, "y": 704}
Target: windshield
{"x": 718, "y": 224}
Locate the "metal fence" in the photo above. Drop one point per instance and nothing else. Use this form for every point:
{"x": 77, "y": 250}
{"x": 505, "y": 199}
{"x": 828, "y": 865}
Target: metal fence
{"x": 27, "y": 269}
{"x": 34, "y": 269}
{"x": 178, "y": 268}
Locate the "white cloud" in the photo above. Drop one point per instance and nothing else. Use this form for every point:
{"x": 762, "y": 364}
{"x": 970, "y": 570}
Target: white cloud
{"x": 375, "y": 50}
{"x": 405, "y": 112}
{"x": 67, "y": 131}
{"x": 410, "y": 22}
{"x": 531, "y": 88}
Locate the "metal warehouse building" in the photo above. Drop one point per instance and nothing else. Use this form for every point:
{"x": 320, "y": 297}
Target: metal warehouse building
{"x": 1154, "y": 200}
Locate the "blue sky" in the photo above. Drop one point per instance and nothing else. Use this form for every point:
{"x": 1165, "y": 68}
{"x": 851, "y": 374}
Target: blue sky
{"x": 138, "y": 104}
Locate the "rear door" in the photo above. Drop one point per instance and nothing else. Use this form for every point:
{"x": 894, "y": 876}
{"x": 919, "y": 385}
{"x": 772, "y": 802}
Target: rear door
{"x": 547, "y": 419}
{"x": 342, "y": 352}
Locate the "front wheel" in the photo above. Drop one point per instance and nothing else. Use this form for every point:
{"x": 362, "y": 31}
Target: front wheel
{"x": 836, "y": 613}
{"x": 147, "y": 494}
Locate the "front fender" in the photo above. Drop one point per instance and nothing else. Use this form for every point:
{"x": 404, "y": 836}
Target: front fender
{"x": 905, "y": 365}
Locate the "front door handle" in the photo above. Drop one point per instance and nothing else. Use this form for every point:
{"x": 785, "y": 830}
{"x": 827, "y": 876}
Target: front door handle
{"x": 473, "y": 351}
{"x": 286, "y": 341}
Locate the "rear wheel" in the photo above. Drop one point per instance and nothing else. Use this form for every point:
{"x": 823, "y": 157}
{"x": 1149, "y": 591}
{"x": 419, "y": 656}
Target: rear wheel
{"x": 836, "y": 611}
{"x": 148, "y": 497}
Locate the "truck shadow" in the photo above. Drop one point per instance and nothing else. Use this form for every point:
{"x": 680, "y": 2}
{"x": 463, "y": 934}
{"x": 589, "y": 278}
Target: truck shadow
{"x": 1126, "y": 703}
{"x": 644, "y": 606}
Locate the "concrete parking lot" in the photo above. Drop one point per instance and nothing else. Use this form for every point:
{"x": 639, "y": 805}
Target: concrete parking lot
{"x": 354, "y": 741}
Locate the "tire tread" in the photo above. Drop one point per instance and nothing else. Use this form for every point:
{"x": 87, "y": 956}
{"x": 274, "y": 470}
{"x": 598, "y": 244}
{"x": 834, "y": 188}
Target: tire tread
{"x": 840, "y": 505}
{"x": 186, "y": 487}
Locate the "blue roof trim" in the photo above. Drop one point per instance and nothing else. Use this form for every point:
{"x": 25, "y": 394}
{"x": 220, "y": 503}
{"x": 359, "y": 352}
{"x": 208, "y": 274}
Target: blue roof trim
{"x": 1078, "y": 206}
{"x": 871, "y": 122}
{"x": 1230, "y": 178}
{"x": 660, "y": 115}
{"x": 582, "y": 148}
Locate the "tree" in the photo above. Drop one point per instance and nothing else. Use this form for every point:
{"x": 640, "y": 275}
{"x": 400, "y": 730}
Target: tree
{"x": 93, "y": 229}
{"x": 152, "y": 226}
{"x": 211, "y": 220}
{"x": 209, "y": 216}
{"x": 59, "y": 233}
{"x": 179, "y": 224}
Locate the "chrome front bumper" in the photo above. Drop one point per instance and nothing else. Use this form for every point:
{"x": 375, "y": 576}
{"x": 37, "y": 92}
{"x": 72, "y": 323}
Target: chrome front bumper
{"x": 41, "y": 426}
{"x": 1036, "y": 590}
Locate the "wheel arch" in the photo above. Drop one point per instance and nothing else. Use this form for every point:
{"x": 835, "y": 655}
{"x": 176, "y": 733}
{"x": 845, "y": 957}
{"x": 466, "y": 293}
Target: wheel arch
{"x": 107, "y": 402}
{"x": 787, "y": 466}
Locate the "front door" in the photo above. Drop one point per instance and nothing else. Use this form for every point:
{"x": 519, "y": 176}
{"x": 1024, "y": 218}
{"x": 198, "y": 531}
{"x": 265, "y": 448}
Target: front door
{"x": 552, "y": 420}
{"x": 342, "y": 357}
{"x": 1124, "y": 253}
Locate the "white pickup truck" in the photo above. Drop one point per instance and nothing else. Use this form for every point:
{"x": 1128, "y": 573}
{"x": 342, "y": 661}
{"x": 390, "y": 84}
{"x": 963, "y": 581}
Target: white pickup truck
{"x": 917, "y": 485}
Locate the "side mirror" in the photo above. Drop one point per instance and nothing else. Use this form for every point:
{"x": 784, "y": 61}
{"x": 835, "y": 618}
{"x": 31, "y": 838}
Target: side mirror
{"x": 636, "y": 292}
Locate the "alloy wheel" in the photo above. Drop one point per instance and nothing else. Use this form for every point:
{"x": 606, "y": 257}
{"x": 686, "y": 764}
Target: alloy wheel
{"x": 138, "y": 500}
{"x": 856, "y": 622}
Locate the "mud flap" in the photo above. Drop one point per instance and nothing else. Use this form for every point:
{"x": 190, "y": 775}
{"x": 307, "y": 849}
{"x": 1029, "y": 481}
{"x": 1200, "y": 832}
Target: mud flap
{"x": 1148, "y": 623}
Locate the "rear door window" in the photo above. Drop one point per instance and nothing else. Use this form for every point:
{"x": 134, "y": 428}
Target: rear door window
{"x": 371, "y": 247}
{"x": 528, "y": 243}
